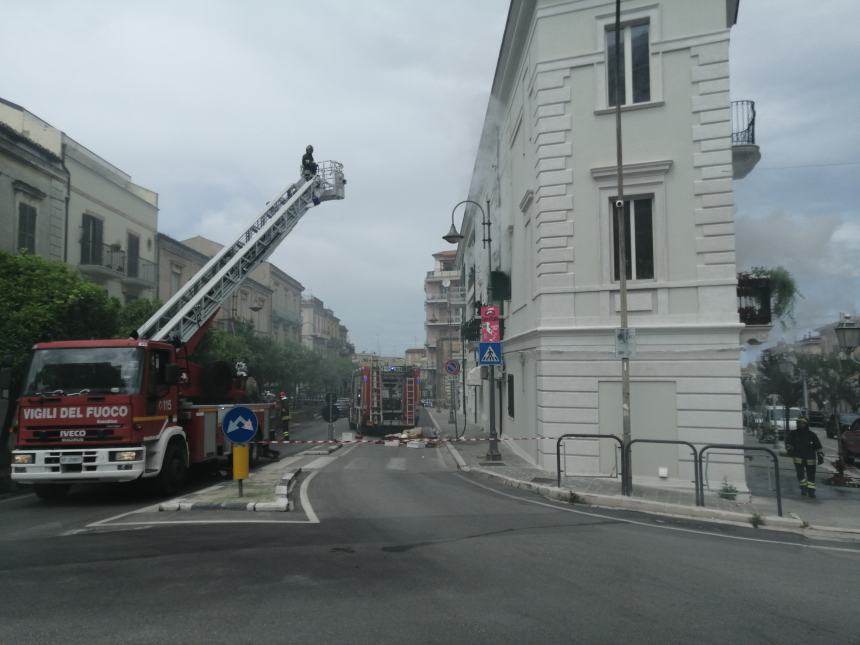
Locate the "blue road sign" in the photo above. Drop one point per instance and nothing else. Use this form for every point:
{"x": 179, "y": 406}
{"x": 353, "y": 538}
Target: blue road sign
{"x": 452, "y": 367}
{"x": 490, "y": 354}
{"x": 239, "y": 424}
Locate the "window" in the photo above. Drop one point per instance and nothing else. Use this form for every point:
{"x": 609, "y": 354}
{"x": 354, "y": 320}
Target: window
{"x": 133, "y": 255}
{"x": 633, "y": 51}
{"x": 639, "y": 232}
{"x": 511, "y": 396}
{"x": 26, "y": 227}
{"x": 175, "y": 278}
{"x": 91, "y": 240}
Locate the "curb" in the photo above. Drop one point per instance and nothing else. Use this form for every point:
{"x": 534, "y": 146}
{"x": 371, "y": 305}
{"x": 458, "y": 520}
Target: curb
{"x": 281, "y": 503}
{"x": 326, "y": 450}
{"x": 714, "y": 515}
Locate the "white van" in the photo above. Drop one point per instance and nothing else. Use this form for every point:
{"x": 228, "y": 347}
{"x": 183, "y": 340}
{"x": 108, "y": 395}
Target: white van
{"x": 775, "y": 415}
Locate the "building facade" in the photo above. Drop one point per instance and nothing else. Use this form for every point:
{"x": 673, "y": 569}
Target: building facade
{"x": 63, "y": 202}
{"x": 443, "y": 311}
{"x": 546, "y": 178}
{"x": 322, "y": 331}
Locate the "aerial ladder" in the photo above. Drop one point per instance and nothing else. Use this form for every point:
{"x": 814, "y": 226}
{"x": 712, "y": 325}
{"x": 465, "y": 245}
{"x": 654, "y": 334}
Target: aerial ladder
{"x": 185, "y": 316}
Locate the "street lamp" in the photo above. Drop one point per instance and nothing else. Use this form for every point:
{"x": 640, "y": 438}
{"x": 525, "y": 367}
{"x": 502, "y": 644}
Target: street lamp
{"x": 453, "y": 237}
{"x": 848, "y": 336}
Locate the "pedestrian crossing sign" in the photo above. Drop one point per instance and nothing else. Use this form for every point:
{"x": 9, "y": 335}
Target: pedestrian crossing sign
{"x": 490, "y": 354}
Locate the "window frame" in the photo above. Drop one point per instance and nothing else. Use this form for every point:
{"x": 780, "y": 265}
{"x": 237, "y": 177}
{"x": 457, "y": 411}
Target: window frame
{"x": 615, "y": 272}
{"x": 21, "y": 244}
{"x": 627, "y": 66}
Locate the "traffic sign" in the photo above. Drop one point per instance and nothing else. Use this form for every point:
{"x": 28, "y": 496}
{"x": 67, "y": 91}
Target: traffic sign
{"x": 490, "y": 312}
{"x": 490, "y": 354}
{"x": 239, "y": 424}
{"x": 452, "y": 367}
{"x": 491, "y": 331}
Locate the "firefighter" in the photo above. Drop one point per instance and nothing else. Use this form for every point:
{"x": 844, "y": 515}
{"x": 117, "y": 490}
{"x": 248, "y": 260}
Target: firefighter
{"x": 804, "y": 447}
{"x": 285, "y": 416}
{"x": 309, "y": 166}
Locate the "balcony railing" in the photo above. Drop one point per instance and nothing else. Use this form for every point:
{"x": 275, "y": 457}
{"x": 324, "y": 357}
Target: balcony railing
{"x": 754, "y": 300}
{"x": 107, "y": 260}
{"x": 457, "y": 296}
{"x": 743, "y": 122}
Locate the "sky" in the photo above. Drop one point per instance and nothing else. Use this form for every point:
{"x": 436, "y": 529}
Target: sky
{"x": 211, "y": 104}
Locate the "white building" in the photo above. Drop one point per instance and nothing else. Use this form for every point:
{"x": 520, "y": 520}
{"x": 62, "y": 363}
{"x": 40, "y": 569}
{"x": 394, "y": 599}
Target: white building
{"x": 546, "y": 165}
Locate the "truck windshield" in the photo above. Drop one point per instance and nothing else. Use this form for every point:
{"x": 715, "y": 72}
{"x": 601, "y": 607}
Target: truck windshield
{"x": 95, "y": 370}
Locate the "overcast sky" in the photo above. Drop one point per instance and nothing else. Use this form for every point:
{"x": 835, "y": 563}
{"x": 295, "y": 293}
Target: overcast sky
{"x": 211, "y": 104}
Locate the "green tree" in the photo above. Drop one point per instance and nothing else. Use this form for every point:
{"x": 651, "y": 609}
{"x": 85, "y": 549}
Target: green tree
{"x": 775, "y": 381}
{"x": 831, "y": 381}
{"x": 134, "y": 314}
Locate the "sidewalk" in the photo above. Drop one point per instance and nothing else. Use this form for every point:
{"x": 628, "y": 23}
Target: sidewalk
{"x": 836, "y": 512}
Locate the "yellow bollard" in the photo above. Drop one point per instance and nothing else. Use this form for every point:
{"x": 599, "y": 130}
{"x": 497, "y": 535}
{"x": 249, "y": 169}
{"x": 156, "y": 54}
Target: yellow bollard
{"x": 240, "y": 464}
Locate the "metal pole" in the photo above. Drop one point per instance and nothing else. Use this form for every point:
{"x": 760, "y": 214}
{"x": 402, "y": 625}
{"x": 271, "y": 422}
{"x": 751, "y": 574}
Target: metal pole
{"x": 627, "y": 480}
{"x": 493, "y": 453}
{"x": 462, "y": 362}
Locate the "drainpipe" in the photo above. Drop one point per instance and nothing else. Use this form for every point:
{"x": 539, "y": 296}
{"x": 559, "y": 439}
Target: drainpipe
{"x": 68, "y": 197}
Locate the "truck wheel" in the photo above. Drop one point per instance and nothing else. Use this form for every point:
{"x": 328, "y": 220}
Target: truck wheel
{"x": 51, "y": 492}
{"x": 171, "y": 479}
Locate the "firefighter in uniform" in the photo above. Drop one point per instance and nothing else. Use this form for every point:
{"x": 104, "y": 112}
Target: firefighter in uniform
{"x": 309, "y": 166}
{"x": 285, "y": 416}
{"x": 804, "y": 447}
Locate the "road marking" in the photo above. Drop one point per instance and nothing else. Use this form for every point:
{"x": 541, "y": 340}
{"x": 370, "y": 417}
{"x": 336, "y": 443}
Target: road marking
{"x": 150, "y": 508}
{"x": 558, "y": 507}
{"x": 16, "y": 497}
{"x": 396, "y": 463}
{"x": 306, "y": 502}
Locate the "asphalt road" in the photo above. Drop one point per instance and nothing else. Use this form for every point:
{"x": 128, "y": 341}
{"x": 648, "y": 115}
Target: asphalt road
{"x": 408, "y": 550}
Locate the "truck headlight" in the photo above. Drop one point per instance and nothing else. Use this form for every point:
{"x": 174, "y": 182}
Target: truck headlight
{"x": 127, "y": 455}
{"x": 24, "y": 458}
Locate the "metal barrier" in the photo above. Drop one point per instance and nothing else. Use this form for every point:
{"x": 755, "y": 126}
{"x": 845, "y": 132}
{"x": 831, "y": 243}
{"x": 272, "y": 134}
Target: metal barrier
{"x": 590, "y": 436}
{"x": 696, "y": 464}
{"x": 734, "y": 446}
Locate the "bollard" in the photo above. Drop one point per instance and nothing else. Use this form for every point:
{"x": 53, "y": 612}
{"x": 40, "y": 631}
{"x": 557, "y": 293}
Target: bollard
{"x": 240, "y": 464}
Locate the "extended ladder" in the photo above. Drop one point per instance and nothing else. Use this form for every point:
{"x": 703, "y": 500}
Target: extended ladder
{"x": 375, "y": 393}
{"x": 409, "y": 413}
{"x": 199, "y": 299}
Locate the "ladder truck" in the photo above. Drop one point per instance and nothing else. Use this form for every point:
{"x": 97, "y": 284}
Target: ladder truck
{"x": 141, "y": 408}
{"x": 383, "y": 397}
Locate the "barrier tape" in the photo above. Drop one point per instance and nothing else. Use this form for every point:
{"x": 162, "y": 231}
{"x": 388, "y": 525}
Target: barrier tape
{"x": 381, "y": 441}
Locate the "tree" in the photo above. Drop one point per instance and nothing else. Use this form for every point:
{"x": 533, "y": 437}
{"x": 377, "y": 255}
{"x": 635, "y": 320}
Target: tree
{"x": 831, "y": 381}
{"x": 134, "y": 314}
{"x": 776, "y": 382}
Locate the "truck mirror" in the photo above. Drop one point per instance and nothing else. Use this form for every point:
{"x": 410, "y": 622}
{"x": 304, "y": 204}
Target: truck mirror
{"x": 171, "y": 374}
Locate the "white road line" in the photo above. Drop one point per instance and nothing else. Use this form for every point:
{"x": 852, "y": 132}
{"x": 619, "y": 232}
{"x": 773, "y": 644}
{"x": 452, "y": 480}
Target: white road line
{"x": 679, "y": 529}
{"x": 16, "y": 497}
{"x": 160, "y": 523}
{"x": 306, "y": 502}
{"x": 150, "y": 508}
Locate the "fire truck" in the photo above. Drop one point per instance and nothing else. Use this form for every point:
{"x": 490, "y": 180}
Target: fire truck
{"x": 383, "y": 397}
{"x": 122, "y": 410}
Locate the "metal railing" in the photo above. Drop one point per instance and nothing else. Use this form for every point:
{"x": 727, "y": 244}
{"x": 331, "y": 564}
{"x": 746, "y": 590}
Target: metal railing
{"x": 142, "y": 269}
{"x": 627, "y": 461}
{"x": 103, "y": 255}
{"x": 589, "y": 436}
{"x": 754, "y": 300}
{"x": 736, "y": 446}
{"x": 743, "y": 122}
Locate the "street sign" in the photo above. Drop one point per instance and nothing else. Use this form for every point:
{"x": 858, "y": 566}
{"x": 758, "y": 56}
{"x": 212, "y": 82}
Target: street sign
{"x": 491, "y": 331}
{"x": 490, "y": 312}
{"x": 331, "y": 398}
{"x": 490, "y": 354}
{"x": 625, "y": 343}
{"x": 329, "y": 413}
{"x": 239, "y": 424}
{"x": 452, "y": 367}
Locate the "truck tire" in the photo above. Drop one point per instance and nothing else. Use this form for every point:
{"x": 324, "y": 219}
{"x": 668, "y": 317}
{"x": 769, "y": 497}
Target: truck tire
{"x": 51, "y": 492}
{"x": 171, "y": 479}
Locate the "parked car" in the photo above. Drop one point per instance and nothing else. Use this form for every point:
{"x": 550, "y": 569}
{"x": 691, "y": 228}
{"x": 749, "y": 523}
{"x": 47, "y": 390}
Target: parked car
{"x": 816, "y": 418}
{"x": 845, "y": 421}
{"x": 849, "y": 442}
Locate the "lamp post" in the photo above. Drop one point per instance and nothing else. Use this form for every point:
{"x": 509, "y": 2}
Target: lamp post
{"x": 453, "y": 237}
{"x": 848, "y": 336}
{"x": 793, "y": 374}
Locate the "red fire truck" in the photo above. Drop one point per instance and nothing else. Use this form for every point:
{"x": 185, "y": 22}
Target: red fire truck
{"x": 121, "y": 410}
{"x": 384, "y": 397}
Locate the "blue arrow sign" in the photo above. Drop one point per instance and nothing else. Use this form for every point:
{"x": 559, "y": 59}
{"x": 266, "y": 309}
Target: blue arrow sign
{"x": 490, "y": 354}
{"x": 239, "y": 424}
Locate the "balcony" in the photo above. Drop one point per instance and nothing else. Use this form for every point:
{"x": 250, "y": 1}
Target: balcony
{"x": 454, "y": 320}
{"x": 442, "y": 275}
{"x": 103, "y": 261}
{"x": 745, "y": 152}
{"x": 754, "y": 308}
{"x": 457, "y": 296}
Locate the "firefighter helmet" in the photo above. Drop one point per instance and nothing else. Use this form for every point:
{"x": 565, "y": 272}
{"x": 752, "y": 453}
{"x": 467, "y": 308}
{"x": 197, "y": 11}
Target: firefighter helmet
{"x": 309, "y": 149}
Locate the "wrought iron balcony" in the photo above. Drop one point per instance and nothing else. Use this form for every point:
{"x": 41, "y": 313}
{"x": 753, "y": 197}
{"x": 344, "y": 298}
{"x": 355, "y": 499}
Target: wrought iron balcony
{"x": 754, "y": 295}
{"x": 745, "y": 151}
